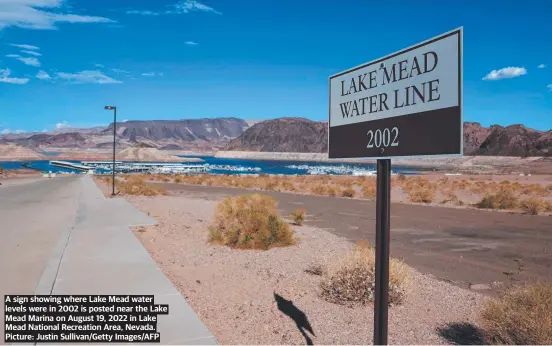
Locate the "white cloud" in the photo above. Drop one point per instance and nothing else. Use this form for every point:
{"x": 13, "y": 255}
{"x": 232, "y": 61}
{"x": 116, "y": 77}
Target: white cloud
{"x": 191, "y": 43}
{"x": 152, "y": 74}
{"x": 30, "y": 61}
{"x": 5, "y": 78}
{"x": 143, "y": 12}
{"x": 43, "y": 75}
{"x": 549, "y": 86}
{"x": 541, "y": 66}
{"x": 30, "y": 52}
{"x": 6, "y": 131}
{"x": 19, "y": 131}
{"x": 26, "y": 60}
{"x": 188, "y": 6}
{"x": 62, "y": 125}
{"x": 87, "y": 77}
{"x": 118, "y": 70}
{"x": 99, "y": 65}
{"x": 40, "y": 15}
{"x": 504, "y": 73}
{"x": 25, "y": 46}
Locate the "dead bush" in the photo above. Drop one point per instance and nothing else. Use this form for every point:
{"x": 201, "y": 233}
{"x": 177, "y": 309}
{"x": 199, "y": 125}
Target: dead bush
{"x": 421, "y": 195}
{"x": 534, "y": 206}
{"x": 369, "y": 191}
{"x": 351, "y": 279}
{"x": 318, "y": 189}
{"x": 505, "y": 198}
{"x": 348, "y": 192}
{"x": 298, "y": 216}
{"x": 135, "y": 185}
{"x": 521, "y": 316}
{"x": 250, "y": 222}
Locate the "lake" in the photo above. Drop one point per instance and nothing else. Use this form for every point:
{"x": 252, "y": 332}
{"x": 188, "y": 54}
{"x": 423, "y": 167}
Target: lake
{"x": 241, "y": 166}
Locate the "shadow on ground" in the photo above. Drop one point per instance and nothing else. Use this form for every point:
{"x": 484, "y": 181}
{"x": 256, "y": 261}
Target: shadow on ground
{"x": 462, "y": 334}
{"x": 298, "y": 316}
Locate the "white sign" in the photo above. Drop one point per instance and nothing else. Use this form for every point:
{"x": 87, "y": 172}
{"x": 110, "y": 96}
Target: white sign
{"x": 416, "y": 80}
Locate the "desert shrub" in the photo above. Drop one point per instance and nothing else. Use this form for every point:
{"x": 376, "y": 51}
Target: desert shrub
{"x": 521, "y": 316}
{"x": 369, "y": 191}
{"x": 298, "y": 216}
{"x": 401, "y": 177}
{"x": 177, "y": 179}
{"x": 549, "y": 187}
{"x": 135, "y": 185}
{"x": 421, "y": 195}
{"x": 350, "y": 280}
{"x": 534, "y": 205}
{"x": 318, "y": 189}
{"x": 348, "y": 192}
{"x": 250, "y": 222}
{"x": 505, "y": 198}
{"x": 332, "y": 190}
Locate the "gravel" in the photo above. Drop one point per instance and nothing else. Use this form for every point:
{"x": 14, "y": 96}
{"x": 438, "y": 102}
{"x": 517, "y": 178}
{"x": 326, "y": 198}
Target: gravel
{"x": 233, "y": 291}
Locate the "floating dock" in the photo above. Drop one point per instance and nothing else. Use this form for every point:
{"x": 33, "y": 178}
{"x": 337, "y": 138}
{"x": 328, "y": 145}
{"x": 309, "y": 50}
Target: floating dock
{"x": 71, "y": 165}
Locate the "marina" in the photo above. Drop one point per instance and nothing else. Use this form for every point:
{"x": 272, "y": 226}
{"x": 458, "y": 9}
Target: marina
{"x": 211, "y": 165}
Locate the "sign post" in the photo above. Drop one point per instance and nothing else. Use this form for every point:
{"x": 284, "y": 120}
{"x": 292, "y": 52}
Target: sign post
{"x": 405, "y": 105}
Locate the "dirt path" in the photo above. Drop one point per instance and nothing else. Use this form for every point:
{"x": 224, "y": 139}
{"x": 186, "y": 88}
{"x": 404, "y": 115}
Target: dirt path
{"x": 463, "y": 246}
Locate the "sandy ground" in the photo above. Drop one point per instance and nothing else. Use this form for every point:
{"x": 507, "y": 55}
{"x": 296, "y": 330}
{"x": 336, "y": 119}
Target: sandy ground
{"x": 233, "y": 291}
{"x": 455, "y": 191}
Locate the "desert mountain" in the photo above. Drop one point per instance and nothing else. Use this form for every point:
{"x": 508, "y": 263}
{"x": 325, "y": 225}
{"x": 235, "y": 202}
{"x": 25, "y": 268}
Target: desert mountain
{"x": 142, "y": 154}
{"x": 14, "y": 152}
{"x": 298, "y": 135}
{"x": 303, "y": 135}
{"x": 192, "y": 134}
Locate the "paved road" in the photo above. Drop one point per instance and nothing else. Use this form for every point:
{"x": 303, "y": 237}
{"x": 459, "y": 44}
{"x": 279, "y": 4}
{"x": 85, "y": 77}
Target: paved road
{"x": 62, "y": 236}
{"x": 463, "y": 246}
{"x": 32, "y": 217}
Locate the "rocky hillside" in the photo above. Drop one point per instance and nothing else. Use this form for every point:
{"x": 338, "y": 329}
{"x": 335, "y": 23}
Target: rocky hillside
{"x": 302, "y": 135}
{"x": 191, "y": 134}
{"x": 296, "y": 135}
{"x": 13, "y": 152}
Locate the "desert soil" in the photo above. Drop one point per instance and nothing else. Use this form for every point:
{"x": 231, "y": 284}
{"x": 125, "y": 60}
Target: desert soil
{"x": 233, "y": 291}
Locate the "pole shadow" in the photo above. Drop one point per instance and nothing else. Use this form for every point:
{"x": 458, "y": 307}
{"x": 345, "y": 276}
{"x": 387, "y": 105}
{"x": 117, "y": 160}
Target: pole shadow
{"x": 298, "y": 316}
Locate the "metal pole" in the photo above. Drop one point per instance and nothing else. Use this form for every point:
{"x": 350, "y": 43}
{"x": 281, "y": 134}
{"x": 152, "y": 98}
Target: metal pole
{"x": 381, "y": 298}
{"x": 114, "y": 133}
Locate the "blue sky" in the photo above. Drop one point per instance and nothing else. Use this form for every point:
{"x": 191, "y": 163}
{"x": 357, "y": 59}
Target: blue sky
{"x": 61, "y": 61}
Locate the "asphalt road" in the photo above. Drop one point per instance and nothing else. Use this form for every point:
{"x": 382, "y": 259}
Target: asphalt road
{"x": 32, "y": 216}
{"x": 462, "y": 246}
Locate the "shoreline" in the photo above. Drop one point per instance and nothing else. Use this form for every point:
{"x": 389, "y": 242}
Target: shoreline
{"x": 465, "y": 164}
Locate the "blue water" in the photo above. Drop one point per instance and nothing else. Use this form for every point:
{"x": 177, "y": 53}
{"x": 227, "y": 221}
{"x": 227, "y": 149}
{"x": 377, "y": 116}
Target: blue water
{"x": 279, "y": 167}
{"x": 266, "y": 166}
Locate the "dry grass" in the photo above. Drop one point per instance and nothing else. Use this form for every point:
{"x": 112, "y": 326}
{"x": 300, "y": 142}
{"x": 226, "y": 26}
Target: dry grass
{"x": 250, "y": 222}
{"x": 522, "y": 316}
{"x": 351, "y": 279}
{"x": 348, "y": 192}
{"x": 505, "y": 198}
{"x": 421, "y": 195}
{"x": 135, "y": 185}
{"x": 298, "y": 216}
{"x": 535, "y": 206}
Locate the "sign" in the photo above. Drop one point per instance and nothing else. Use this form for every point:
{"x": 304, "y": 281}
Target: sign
{"x": 407, "y": 104}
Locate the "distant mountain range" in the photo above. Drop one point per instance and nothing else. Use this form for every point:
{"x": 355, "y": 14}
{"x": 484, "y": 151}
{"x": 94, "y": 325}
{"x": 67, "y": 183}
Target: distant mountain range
{"x": 277, "y": 135}
{"x": 303, "y": 135}
{"x": 189, "y": 134}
